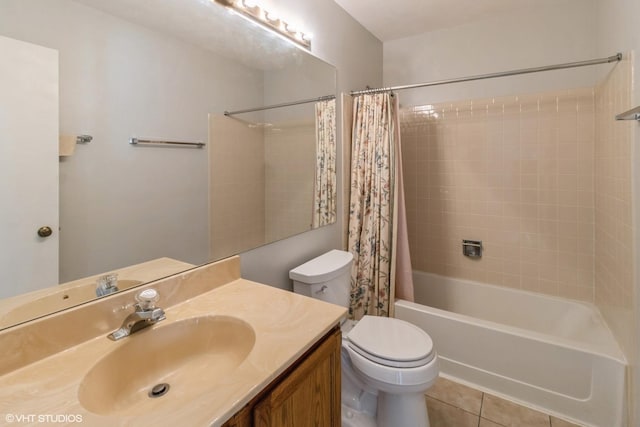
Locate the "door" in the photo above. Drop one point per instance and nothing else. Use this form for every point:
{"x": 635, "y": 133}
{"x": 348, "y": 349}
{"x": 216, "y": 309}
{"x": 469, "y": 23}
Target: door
{"x": 28, "y": 166}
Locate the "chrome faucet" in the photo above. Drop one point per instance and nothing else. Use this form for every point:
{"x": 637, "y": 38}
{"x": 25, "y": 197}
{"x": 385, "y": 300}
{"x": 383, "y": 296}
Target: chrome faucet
{"x": 107, "y": 284}
{"x": 145, "y": 315}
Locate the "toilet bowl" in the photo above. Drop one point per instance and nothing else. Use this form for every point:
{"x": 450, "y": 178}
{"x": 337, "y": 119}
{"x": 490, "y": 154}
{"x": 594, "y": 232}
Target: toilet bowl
{"x": 397, "y": 359}
{"x": 387, "y": 363}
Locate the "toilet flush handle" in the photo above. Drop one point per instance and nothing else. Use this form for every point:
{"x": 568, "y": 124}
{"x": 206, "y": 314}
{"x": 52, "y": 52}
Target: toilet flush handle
{"x": 322, "y": 290}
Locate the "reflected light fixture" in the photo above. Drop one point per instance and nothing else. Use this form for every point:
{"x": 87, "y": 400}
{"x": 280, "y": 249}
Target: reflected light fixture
{"x": 250, "y": 10}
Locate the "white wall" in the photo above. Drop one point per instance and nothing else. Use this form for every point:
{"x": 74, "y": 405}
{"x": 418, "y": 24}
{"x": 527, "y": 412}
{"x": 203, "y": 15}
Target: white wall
{"x": 529, "y": 38}
{"x": 618, "y": 29}
{"x": 119, "y": 80}
{"x": 357, "y": 56}
{"x": 311, "y": 78}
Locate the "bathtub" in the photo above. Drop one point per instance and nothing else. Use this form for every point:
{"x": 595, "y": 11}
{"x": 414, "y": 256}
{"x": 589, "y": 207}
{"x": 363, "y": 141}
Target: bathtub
{"x": 549, "y": 353}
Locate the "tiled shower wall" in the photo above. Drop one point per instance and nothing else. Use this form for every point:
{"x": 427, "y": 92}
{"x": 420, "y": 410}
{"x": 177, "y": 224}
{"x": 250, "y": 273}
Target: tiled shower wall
{"x": 290, "y": 163}
{"x": 271, "y": 196}
{"x": 515, "y": 172}
{"x": 236, "y": 194}
{"x": 614, "y": 270}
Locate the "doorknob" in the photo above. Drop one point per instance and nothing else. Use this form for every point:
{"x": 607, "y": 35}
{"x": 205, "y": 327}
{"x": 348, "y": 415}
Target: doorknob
{"x": 45, "y": 231}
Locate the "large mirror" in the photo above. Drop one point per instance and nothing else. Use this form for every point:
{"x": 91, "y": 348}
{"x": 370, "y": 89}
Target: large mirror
{"x": 111, "y": 214}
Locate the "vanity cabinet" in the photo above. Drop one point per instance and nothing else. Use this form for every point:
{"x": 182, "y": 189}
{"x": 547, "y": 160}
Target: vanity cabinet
{"x": 307, "y": 394}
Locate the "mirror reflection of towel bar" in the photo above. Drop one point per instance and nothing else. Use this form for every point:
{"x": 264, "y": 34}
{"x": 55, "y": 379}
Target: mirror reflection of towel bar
{"x": 137, "y": 141}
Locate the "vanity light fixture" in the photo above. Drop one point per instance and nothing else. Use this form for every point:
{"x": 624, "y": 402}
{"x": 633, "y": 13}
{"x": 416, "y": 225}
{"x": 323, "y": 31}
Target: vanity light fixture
{"x": 250, "y": 10}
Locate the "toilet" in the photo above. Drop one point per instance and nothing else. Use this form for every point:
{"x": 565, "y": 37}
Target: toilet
{"x": 387, "y": 363}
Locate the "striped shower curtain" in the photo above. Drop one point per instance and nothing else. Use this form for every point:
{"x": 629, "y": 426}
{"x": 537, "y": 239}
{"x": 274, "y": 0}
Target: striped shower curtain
{"x": 374, "y": 214}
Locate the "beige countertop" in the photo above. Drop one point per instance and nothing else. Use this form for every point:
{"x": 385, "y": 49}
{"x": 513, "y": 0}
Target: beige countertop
{"x": 285, "y": 326}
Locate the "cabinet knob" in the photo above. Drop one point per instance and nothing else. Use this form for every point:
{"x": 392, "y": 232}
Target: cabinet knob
{"x": 45, "y": 231}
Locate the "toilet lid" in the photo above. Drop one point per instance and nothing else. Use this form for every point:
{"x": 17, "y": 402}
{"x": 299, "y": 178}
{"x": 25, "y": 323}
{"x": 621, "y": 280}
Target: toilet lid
{"x": 391, "y": 342}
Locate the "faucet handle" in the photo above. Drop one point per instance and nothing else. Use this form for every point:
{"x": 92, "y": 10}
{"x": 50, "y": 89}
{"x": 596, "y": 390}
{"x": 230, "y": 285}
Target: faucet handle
{"x": 111, "y": 279}
{"x": 147, "y": 299}
{"x": 106, "y": 284}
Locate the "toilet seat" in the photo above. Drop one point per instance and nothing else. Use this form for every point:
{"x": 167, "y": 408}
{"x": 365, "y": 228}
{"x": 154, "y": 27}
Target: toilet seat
{"x": 391, "y": 342}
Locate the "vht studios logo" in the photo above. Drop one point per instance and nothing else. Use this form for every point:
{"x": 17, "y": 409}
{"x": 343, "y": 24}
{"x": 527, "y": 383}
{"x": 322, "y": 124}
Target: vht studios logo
{"x": 43, "y": 418}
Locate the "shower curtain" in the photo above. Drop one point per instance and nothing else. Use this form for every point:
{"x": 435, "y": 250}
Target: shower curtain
{"x": 324, "y": 189}
{"x": 374, "y": 212}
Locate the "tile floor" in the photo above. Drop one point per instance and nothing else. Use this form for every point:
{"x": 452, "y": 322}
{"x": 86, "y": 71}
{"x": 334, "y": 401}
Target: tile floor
{"x": 451, "y": 404}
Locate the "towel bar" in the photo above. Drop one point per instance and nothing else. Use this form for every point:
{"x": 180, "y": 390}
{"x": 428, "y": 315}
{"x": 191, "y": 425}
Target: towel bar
{"x": 136, "y": 141}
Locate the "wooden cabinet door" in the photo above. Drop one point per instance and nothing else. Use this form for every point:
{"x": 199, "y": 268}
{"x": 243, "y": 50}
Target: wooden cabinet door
{"x": 310, "y": 395}
{"x": 241, "y": 419}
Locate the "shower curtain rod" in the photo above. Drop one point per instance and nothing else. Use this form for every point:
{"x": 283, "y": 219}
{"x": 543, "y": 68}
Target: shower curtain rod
{"x": 286, "y": 104}
{"x": 615, "y": 58}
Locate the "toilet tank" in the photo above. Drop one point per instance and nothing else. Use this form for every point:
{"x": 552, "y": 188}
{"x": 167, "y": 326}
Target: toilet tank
{"x": 327, "y": 277}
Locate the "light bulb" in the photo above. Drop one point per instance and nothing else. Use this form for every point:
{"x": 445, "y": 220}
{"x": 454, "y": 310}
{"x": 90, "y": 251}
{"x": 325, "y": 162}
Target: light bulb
{"x": 291, "y": 28}
{"x": 272, "y": 17}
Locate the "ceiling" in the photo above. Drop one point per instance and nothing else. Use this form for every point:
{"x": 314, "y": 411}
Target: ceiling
{"x": 390, "y": 20}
